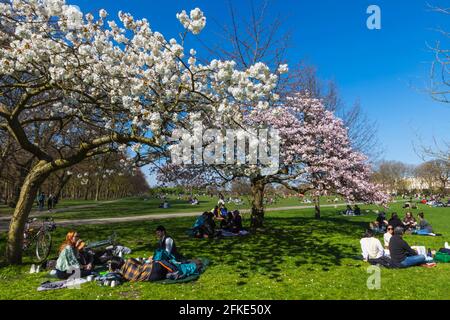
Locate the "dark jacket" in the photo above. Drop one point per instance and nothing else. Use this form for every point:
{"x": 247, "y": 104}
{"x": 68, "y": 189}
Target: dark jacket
{"x": 399, "y": 249}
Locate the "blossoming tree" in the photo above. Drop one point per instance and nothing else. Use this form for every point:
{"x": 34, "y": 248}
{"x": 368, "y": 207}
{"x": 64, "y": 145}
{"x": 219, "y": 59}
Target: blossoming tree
{"x": 315, "y": 156}
{"x": 104, "y": 85}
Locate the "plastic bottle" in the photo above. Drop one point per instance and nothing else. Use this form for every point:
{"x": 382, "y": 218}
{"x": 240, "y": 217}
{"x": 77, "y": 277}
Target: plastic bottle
{"x": 446, "y": 245}
{"x": 429, "y": 253}
{"x": 33, "y": 268}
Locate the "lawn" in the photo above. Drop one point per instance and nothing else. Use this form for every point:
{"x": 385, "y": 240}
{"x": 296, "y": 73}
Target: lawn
{"x": 6, "y": 210}
{"x": 144, "y": 206}
{"x": 297, "y": 257}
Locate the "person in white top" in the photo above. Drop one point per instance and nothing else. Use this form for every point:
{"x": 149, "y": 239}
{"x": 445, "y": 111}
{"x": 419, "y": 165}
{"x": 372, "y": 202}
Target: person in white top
{"x": 221, "y": 200}
{"x": 371, "y": 247}
{"x": 387, "y": 236}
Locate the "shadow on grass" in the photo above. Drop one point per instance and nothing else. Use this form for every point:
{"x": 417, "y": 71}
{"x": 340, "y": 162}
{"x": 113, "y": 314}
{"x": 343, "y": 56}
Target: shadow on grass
{"x": 307, "y": 241}
{"x": 298, "y": 241}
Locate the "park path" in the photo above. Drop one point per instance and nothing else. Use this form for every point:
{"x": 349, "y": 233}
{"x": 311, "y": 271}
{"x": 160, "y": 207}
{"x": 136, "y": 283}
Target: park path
{"x": 96, "y": 221}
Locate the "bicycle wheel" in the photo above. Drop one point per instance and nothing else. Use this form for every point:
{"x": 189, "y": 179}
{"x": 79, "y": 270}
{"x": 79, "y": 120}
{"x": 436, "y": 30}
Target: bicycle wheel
{"x": 43, "y": 246}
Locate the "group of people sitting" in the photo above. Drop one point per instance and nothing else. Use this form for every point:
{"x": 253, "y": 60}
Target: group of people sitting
{"x": 164, "y": 205}
{"x": 409, "y": 224}
{"x": 194, "y": 201}
{"x": 205, "y": 225}
{"x": 166, "y": 262}
{"x": 395, "y": 254}
{"x": 349, "y": 211}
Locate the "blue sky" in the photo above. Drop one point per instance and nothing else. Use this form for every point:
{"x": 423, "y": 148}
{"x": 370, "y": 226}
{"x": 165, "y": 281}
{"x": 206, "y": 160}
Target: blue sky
{"x": 386, "y": 70}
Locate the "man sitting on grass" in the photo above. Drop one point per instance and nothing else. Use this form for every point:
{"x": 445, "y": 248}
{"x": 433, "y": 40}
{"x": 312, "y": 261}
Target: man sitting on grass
{"x": 371, "y": 247}
{"x": 166, "y": 243}
{"x": 401, "y": 253}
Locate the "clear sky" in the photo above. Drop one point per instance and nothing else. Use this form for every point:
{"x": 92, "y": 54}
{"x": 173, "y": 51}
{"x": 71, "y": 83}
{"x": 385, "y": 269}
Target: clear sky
{"x": 387, "y": 70}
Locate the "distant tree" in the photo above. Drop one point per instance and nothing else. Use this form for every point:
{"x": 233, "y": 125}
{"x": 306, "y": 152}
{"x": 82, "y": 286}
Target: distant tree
{"x": 440, "y": 73}
{"x": 436, "y": 174}
{"x": 393, "y": 175}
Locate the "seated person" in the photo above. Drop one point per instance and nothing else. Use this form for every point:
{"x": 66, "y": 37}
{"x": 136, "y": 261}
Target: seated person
{"x": 216, "y": 213}
{"x": 167, "y": 244}
{"x": 387, "y": 236}
{"x": 236, "y": 224}
{"x": 395, "y": 221}
{"x": 409, "y": 221}
{"x": 379, "y": 225}
{"x": 401, "y": 253}
{"x": 223, "y": 211}
{"x": 227, "y": 223}
{"x": 406, "y": 205}
{"x": 424, "y": 227}
{"x": 349, "y": 211}
{"x": 371, "y": 247}
{"x": 204, "y": 225}
{"x": 70, "y": 260}
{"x": 357, "y": 211}
{"x": 164, "y": 205}
{"x": 195, "y": 201}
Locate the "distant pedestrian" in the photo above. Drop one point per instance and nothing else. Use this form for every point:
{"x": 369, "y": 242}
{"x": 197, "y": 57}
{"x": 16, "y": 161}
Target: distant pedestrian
{"x": 50, "y": 202}
{"x": 41, "y": 201}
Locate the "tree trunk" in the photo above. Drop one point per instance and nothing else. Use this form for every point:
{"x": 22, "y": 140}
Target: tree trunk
{"x": 61, "y": 184}
{"x": 24, "y": 169}
{"x": 28, "y": 193}
{"x": 257, "y": 213}
{"x": 317, "y": 207}
{"x": 97, "y": 189}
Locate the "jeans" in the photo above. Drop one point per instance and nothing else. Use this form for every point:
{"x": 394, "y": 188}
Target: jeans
{"x": 422, "y": 232}
{"x": 413, "y": 261}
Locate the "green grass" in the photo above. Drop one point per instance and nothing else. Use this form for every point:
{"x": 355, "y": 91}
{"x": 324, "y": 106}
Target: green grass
{"x": 6, "y": 210}
{"x": 140, "y": 206}
{"x": 297, "y": 257}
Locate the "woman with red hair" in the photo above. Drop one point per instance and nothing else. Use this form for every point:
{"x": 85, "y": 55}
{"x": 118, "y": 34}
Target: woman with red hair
{"x": 69, "y": 260}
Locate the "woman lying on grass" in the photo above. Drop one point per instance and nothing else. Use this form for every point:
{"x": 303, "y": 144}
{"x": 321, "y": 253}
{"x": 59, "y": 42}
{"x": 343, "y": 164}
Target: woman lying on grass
{"x": 425, "y": 228}
{"x": 156, "y": 270}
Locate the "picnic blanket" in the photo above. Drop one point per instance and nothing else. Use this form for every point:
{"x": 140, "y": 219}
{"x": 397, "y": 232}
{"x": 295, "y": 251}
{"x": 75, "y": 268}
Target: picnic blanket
{"x": 205, "y": 263}
{"x": 225, "y": 233}
{"x": 55, "y": 285}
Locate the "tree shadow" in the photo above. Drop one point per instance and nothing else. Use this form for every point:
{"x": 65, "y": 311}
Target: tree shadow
{"x": 308, "y": 241}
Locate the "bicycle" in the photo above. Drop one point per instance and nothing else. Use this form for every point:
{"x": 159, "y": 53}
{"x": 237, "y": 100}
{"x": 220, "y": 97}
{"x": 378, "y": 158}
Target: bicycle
{"x": 37, "y": 238}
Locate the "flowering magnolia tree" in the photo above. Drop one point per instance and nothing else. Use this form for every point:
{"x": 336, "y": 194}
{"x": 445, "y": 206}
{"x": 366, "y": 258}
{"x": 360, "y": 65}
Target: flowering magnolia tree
{"x": 315, "y": 155}
{"x": 105, "y": 85}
